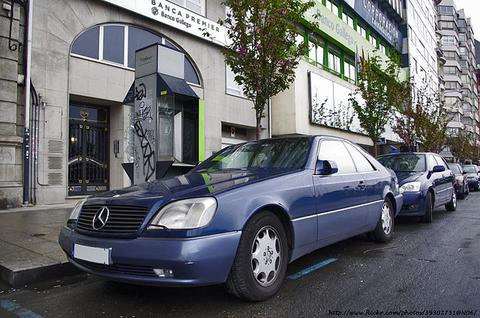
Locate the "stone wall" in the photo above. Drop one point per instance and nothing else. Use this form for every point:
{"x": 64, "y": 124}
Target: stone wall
{"x": 11, "y": 104}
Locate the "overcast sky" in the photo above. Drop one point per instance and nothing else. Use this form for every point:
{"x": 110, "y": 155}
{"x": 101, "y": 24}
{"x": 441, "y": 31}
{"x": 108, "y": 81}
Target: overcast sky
{"x": 472, "y": 10}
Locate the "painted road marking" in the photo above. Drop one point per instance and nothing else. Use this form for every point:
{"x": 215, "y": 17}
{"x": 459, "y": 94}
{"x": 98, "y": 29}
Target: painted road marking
{"x": 15, "y": 309}
{"x": 312, "y": 268}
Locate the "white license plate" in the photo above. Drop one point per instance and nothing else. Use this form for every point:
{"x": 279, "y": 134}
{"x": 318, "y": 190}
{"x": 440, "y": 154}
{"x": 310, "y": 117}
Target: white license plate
{"x": 93, "y": 254}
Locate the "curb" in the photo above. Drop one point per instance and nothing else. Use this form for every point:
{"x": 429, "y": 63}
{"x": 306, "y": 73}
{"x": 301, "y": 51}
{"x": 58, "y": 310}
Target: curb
{"x": 49, "y": 272}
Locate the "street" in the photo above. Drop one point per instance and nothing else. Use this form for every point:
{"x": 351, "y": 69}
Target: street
{"x": 426, "y": 267}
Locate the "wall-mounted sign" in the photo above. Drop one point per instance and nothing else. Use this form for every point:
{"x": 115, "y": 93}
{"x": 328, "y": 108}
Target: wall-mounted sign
{"x": 330, "y": 105}
{"x": 175, "y": 16}
{"x": 376, "y": 18}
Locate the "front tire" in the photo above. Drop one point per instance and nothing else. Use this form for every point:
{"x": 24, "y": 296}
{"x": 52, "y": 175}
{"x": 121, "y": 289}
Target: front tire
{"x": 261, "y": 261}
{"x": 452, "y": 205}
{"x": 428, "y": 217}
{"x": 384, "y": 230}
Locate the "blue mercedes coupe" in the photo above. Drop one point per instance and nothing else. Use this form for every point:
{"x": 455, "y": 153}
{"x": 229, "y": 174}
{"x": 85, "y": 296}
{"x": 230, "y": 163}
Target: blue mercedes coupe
{"x": 240, "y": 217}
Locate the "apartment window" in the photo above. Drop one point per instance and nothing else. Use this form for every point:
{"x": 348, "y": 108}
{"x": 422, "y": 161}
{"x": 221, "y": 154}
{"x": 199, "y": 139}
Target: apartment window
{"x": 334, "y": 62}
{"x": 347, "y": 19}
{"x": 451, "y": 85}
{"x": 446, "y": 25}
{"x": 332, "y": 7}
{"x": 383, "y": 49}
{"x": 415, "y": 65}
{"x": 462, "y": 37}
{"x": 349, "y": 70}
{"x": 361, "y": 30}
{"x": 373, "y": 40}
{"x": 197, "y": 6}
{"x": 449, "y": 40}
{"x": 445, "y": 10}
{"x": 450, "y": 70}
{"x": 315, "y": 53}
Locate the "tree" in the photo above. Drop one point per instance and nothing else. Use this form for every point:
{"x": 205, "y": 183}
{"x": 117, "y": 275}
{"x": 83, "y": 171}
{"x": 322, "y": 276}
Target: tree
{"x": 382, "y": 92}
{"x": 263, "y": 51}
{"x": 423, "y": 121}
{"x": 462, "y": 145}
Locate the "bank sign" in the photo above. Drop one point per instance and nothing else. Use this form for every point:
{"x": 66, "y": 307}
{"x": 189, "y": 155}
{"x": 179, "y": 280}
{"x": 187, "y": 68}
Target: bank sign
{"x": 376, "y": 18}
{"x": 175, "y": 16}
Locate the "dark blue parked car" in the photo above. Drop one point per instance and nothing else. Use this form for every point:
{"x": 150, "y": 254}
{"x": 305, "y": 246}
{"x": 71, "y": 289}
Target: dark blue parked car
{"x": 425, "y": 182}
{"x": 239, "y": 217}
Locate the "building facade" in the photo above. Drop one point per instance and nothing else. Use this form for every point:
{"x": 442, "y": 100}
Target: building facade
{"x": 82, "y": 71}
{"x": 461, "y": 92}
{"x": 345, "y": 32}
{"x": 420, "y": 51}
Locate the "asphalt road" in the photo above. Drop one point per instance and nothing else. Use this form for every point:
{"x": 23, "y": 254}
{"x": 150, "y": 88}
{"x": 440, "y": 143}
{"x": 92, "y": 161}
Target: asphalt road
{"x": 426, "y": 267}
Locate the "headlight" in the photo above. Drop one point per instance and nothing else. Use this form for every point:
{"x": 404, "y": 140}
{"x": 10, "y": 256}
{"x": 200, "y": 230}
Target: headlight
{"x": 185, "y": 214}
{"x": 76, "y": 210}
{"x": 411, "y": 187}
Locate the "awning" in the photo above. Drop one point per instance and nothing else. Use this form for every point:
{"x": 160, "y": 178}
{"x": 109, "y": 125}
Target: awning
{"x": 165, "y": 83}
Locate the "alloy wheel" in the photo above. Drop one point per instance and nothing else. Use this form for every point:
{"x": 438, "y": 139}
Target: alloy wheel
{"x": 266, "y": 256}
{"x": 386, "y": 218}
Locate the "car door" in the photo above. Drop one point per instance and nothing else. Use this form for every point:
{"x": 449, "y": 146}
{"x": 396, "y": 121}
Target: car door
{"x": 448, "y": 179}
{"x": 338, "y": 195}
{"x": 373, "y": 181}
{"x": 436, "y": 179}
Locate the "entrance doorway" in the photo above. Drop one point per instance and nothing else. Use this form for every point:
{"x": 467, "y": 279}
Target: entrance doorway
{"x": 88, "y": 169}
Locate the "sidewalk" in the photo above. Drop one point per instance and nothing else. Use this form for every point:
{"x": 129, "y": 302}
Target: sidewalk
{"x": 29, "y": 250}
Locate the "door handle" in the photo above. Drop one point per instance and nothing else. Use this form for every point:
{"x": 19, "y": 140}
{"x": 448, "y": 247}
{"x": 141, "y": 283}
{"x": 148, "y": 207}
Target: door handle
{"x": 361, "y": 185}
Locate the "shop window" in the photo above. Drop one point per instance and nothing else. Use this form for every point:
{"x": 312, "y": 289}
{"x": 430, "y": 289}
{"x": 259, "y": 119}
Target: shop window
{"x": 119, "y": 45}
{"x": 137, "y": 39}
{"x": 87, "y": 43}
{"x": 113, "y": 43}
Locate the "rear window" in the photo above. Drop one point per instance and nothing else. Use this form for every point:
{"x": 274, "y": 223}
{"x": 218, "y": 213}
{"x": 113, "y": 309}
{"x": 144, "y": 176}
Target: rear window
{"x": 470, "y": 169}
{"x": 455, "y": 169}
{"x": 404, "y": 163}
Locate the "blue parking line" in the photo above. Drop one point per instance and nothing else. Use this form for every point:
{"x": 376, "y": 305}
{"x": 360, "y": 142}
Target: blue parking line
{"x": 310, "y": 269}
{"x": 15, "y": 309}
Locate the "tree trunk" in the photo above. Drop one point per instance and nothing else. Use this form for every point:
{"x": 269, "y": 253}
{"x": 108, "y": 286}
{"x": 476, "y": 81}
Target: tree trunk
{"x": 258, "y": 127}
{"x": 375, "y": 147}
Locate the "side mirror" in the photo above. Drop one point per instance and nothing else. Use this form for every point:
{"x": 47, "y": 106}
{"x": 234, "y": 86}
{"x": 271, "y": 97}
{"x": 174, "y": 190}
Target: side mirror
{"x": 326, "y": 167}
{"x": 463, "y": 172}
{"x": 438, "y": 169}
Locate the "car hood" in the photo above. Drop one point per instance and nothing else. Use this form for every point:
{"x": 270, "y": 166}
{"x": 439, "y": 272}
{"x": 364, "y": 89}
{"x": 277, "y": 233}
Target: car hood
{"x": 185, "y": 186}
{"x": 405, "y": 177}
{"x": 471, "y": 175}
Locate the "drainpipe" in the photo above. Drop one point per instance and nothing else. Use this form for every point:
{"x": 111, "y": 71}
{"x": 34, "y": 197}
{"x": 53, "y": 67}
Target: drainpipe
{"x": 26, "y": 131}
{"x": 270, "y": 118}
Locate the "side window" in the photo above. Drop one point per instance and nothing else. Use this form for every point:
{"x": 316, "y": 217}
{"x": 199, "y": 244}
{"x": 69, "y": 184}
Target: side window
{"x": 362, "y": 164}
{"x": 431, "y": 162}
{"x": 441, "y": 162}
{"x": 335, "y": 150}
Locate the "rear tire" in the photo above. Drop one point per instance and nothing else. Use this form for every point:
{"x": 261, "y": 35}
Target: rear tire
{"x": 452, "y": 205}
{"x": 428, "y": 217}
{"x": 261, "y": 261}
{"x": 384, "y": 230}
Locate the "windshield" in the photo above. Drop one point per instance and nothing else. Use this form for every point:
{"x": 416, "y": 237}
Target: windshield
{"x": 289, "y": 153}
{"x": 469, "y": 169}
{"x": 404, "y": 163}
{"x": 455, "y": 169}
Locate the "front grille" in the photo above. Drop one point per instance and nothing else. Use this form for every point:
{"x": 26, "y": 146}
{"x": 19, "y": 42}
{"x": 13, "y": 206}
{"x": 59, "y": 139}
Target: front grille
{"x": 122, "y": 219}
{"x": 134, "y": 270}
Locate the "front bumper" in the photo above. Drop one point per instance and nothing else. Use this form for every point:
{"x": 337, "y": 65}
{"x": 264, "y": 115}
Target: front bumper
{"x": 413, "y": 204}
{"x": 194, "y": 261}
{"x": 473, "y": 183}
